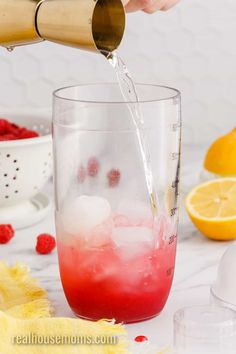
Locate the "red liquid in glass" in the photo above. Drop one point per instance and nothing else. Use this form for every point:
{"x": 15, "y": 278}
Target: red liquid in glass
{"x": 109, "y": 282}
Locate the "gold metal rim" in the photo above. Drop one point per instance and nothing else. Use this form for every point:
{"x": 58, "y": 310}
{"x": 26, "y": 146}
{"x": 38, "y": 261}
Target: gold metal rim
{"x": 108, "y": 25}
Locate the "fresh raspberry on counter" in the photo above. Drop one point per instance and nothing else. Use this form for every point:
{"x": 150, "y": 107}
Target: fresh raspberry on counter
{"x": 113, "y": 177}
{"x": 6, "y": 233}
{"x": 93, "y": 167}
{"x": 45, "y": 243}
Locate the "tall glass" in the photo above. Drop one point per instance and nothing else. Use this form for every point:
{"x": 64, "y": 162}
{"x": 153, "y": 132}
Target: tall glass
{"x": 116, "y": 253}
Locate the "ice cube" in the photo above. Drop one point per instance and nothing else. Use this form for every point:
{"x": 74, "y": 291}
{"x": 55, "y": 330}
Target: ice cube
{"x": 132, "y": 241}
{"x": 121, "y": 220}
{"x": 135, "y": 210}
{"x": 126, "y": 236}
{"x": 100, "y": 234}
{"x": 84, "y": 213}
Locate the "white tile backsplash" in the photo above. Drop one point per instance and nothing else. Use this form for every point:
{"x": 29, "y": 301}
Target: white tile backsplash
{"x": 192, "y": 47}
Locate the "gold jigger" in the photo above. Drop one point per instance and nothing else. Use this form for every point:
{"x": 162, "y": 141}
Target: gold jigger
{"x": 94, "y": 25}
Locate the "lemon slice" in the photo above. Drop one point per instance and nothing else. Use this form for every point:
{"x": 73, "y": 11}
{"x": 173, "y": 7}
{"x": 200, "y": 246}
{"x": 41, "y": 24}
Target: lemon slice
{"x": 212, "y": 208}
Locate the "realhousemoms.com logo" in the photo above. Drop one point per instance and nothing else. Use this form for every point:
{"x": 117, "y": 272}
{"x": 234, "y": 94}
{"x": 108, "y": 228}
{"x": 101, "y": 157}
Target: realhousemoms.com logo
{"x": 35, "y": 339}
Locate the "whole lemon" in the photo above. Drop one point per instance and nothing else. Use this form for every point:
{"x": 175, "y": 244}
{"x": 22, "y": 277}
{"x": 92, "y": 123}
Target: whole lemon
{"x": 221, "y": 156}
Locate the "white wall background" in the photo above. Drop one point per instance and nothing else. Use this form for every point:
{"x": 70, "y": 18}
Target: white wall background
{"x": 192, "y": 48}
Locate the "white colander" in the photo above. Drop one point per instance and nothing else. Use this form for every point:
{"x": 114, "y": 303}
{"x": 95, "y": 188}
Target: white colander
{"x": 25, "y": 165}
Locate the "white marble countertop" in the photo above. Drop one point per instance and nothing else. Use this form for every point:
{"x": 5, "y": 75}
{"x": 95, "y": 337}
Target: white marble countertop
{"x": 196, "y": 266}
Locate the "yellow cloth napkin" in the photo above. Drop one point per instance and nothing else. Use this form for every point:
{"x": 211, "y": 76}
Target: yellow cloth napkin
{"x": 16, "y": 336}
{"x": 20, "y": 295}
{"x": 23, "y": 328}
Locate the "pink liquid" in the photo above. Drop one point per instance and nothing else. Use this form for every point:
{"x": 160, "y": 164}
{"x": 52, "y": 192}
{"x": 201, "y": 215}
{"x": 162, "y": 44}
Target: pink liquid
{"x": 128, "y": 284}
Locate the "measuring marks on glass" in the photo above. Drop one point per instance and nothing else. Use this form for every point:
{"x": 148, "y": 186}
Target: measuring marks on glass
{"x": 176, "y": 126}
{"x": 175, "y": 158}
{"x": 175, "y": 186}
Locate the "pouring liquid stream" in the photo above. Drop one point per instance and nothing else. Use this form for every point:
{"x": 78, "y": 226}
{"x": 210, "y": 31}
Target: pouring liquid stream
{"x": 129, "y": 93}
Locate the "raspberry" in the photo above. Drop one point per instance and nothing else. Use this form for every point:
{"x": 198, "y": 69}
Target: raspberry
{"x": 6, "y": 137}
{"x": 140, "y": 339}
{"x": 82, "y": 174}
{"x": 13, "y": 129}
{"x": 45, "y": 244}
{"x": 27, "y": 134}
{"x": 93, "y": 167}
{"x": 15, "y": 126}
{"x": 3, "y": 126}
{"x": 113, "y": 177}
{"x": 6, "y": 233}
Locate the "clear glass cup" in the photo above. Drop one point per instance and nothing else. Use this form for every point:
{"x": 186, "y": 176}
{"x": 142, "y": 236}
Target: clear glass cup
{"x": 116, "y": 254}
{"x": 205, "y": 329}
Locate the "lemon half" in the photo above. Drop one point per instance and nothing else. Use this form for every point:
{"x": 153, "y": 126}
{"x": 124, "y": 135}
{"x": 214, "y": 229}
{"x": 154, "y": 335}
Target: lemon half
{"x": 212, "y": 208}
